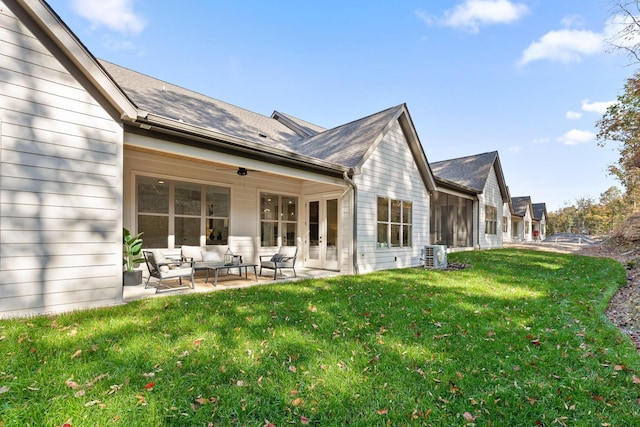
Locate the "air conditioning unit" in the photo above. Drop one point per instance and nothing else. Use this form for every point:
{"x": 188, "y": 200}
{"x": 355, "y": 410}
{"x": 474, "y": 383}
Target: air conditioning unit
{"x": 435, "y": 256}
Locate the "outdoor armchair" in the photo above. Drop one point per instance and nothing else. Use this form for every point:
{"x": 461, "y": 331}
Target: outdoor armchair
{"x": 167, "y": 269}
{"x": 284, "y": 258}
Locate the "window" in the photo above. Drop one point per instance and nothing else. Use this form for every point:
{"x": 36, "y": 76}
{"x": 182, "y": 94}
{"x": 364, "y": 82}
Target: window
{"x": 185, "y": 210}
{"x": 490, "y": 219}
{"x": 278, "y": 220}
{"x": 394, "y": 226}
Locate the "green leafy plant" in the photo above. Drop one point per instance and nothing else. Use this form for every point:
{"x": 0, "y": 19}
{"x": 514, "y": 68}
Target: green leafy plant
{"x": 131, "y": 249}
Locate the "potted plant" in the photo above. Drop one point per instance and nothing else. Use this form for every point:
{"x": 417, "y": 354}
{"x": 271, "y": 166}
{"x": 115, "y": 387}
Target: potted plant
{"x": 131, "y": 250}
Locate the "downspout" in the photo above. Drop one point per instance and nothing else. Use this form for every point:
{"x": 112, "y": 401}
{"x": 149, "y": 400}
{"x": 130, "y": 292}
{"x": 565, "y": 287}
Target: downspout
{"x": 354, "y": 225}
{"x": 478, "y": 227}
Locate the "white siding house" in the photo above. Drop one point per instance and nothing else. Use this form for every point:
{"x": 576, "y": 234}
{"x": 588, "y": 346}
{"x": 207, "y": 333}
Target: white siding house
{"x": 87, "y": 147}
{"x": 522, "y": 219}
{"x": 539, "y": 224}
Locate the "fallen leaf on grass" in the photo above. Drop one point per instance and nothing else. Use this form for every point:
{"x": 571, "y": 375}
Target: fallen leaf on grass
{"x": 76, "y": 354}
{"x": 4, "y": 389}
{"x": 468, "y": 417}
{"x": 438, "y": 337}
{"x": 383, "y": 411}
{"x": 96, "y": 379}
{"x": 149, "y": 386}
{"x": 636, "y": 380}
{"x": 296, "y": 402}
{"x": 71, "y": 384}
{"x": 304, "y": 420}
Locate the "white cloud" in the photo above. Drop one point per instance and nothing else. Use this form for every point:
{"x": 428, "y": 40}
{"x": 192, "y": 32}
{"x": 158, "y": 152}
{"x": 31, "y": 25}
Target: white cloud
{"x": 573, "y": 115}
{"x": 514, "y": 149}
{"x": 596, "y": 107}
{"x": 472, "y": 14}
{"x": 117, "y": 15}
{"x": 564, "y": 46}
{"x": 541, "y": 141}
{"x": 576, "y": 136}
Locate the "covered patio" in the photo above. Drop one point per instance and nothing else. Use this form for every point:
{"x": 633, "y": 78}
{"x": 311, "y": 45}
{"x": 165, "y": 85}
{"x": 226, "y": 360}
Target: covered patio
{"x": 225, "y": 282}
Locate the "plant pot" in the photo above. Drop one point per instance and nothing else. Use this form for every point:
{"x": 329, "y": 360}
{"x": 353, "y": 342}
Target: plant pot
{"x": 131, "y": 278}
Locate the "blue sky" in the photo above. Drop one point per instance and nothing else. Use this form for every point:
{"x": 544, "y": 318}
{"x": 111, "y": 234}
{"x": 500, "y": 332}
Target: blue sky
{"x": 528, "y": 78}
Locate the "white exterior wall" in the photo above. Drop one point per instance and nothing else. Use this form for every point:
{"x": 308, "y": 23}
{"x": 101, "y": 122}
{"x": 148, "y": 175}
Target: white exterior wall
{"x": 543, "y": 227}
{"x": 527, "y": 226}
{"x": 391, "y": 172}
{"x": 61, "y": 180}
{"x": 490, "y": 197}
{"x": 506, "y": 214}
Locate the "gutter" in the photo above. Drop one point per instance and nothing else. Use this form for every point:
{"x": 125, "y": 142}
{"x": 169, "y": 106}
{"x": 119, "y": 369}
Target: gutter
{"x": 354, "y": 229}
{"x": 173, "y": 127}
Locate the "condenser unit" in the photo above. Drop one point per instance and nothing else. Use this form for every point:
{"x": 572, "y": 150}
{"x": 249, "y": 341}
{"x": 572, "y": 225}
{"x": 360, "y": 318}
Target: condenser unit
{"x": 435, "y": 256}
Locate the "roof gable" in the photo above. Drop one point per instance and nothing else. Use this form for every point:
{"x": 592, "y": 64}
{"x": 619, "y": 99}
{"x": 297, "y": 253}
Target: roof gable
{"x": 348, "y": 144}
{"x": 539, "y": 211}
{"x": 471, "y": 172}
{"x": 521, "y": 205}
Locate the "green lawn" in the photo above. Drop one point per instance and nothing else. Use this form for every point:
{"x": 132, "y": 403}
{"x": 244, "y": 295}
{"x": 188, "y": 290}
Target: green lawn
{"x": 519, "y": 338}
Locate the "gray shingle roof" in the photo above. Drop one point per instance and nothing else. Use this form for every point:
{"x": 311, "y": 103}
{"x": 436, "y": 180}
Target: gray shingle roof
{"x": 520, "y": 205}
{"x": 345, "y": 145}
{"x": 174, "y": 102}
{"x": 470, "y": 171}
{"x": 539, "y": 209}
{"x": 348, "y": 144}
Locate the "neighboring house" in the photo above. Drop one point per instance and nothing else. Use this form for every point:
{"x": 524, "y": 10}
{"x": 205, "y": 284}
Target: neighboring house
{"x": 467, "y": 208}
{"x": 88, "y": 147}
{"x": 522, "y": 219}
{"x": 539, "y": 221}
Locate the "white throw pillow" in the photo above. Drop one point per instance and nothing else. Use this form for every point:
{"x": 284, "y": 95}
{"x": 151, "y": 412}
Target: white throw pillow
{"x": 211, "y": 256}
{"x": 194, "y": 252}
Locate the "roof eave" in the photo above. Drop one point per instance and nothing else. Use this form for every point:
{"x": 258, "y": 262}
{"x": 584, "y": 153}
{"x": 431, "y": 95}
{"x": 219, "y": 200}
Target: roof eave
{"x": 211, "y": 137}
{"x": 445, "y": 183}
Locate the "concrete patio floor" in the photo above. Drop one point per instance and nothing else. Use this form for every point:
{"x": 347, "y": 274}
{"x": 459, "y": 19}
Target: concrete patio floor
{"x": 225, "y": 281}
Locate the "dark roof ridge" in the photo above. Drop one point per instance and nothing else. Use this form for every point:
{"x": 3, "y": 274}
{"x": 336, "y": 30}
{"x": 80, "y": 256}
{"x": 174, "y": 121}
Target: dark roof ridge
{"x": 466, "y": 157}
{"x": 364, "y": 118}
